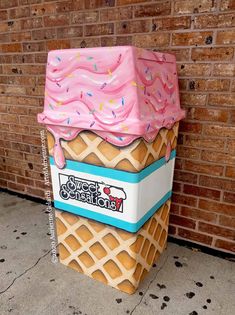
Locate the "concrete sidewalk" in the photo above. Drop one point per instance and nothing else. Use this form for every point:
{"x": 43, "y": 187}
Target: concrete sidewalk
{"x": 183, "y": 282}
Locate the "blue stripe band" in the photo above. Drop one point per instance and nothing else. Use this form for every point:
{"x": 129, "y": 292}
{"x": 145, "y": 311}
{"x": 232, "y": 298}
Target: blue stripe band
{"x": 113, "y": 173}
{"x": 131, "y": 227}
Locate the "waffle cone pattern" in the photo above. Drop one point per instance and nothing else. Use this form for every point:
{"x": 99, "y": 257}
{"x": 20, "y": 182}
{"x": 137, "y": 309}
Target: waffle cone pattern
{"x": 89, "y": 148}
{"x": 108, "y": 254}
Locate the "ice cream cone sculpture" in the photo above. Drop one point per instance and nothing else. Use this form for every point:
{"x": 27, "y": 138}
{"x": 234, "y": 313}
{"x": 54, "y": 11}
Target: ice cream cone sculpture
{"x": 112, "y": 116}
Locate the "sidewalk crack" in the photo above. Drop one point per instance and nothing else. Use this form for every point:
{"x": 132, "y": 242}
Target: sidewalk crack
{"x": 23, "y": 273}
{"x": 154, "y": 278}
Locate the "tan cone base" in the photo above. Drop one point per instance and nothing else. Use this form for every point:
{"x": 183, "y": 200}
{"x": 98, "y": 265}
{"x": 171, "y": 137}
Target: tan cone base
{"x": 108, "y": 254}
{"x": 89, "y": 148}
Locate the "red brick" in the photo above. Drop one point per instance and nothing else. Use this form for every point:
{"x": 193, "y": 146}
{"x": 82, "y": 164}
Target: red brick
{"x": 184, "y": 200}
{"x": 226, "y": 70}
{"x": 185, "y": 177}
{"x": 177, "y": 220}
{"x": 217, "y": 157}
{"x": 209, "y": 85}
{"x": 230, "y": 171}
{"x": 86, "y": 17}
{"x": 25, "y": 181}
{"x": 201, "y": 192}
{"x": 181, "y": 54}
{"x": 190, "y": 127}
{"x": 212, "y": 54}
{"x": 227, "y": 5}
{"x": 15, "y": 170}
{"x": 16, "y": 187}
{"x": 99, "y": 29}
{"x": 193, "y": 6}
{"x": 115, "y": 14}
{"x": 85, "y": 42}
{"x": 227, "y": 221}
{"x": 200, "y": 167}
{"x": 44, "y": 34}
{"x": 186, "y": 152}
{"x": 138, "y": 26}
{"x": 225, "y": 37}
{"x": 151, "y": 40}
{"x": 93, "y": 4}
{"x": 203, "y": 142}
{"x": 229, "y": 197}
{"x": 216, "y": 182}
{"x": 44, "y": 8}
{"x": 194, "y": 236}
{"x": 7, "y": 176}
{"x": 3, "y": 15}
{"x": 204, "y": 114}
{"x": 16, "y": 47}
{"x": 35, "y": 192}
{"x": 214, "y": 21}
{"x": 66, "y": 6}
{"x": 192, "y": 69}
{"x": 225, "y": 245}
{"x": 219, "y": 131}
{"x": 31, "y": 23}
{"x": 5, "y": 4}
{"x": 190, "y": 38}
{"x": 216, "y": 230}
{"x": 215, "y": 206}
{"x": 198, "y": 214}
{"x": 177, "y": 187}
{"x": 173, "y": 23}
{"x": 19, "y": 12}
{"x": 192, "y": 99}
{"x": 56, "y": 20}
{"x": 68, "y": 32}
{"x": 155, "y": 9}
{"x": 33, "y": 46}
{"x": 221, "y": 99}
{"x": 116, "y": 41}
{"x": 58, "y": 44}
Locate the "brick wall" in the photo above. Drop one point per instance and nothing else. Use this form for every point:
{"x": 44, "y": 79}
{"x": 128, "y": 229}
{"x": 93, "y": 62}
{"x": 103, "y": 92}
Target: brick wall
{"x": 200, "y": 33}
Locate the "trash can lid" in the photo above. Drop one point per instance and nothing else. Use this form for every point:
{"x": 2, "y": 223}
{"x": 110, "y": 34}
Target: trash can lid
{"x": 124, "y": 90}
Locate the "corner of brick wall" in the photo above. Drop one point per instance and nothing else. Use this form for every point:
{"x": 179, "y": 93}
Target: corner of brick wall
{"x": 200, "y": 33}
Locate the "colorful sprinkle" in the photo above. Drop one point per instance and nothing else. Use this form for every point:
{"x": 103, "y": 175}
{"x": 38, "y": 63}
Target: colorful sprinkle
{"x": 114, "y": 115}
{"x": 103, "y": 85}
{"x": 111, "y": 101}
{"x": 95, "y": 67}
{"x": 81, "y": 94}
{"x": 58, "y": 84}
{"x": 133, "y": 83}
{"x": 119, "y": 58}
{"x": 109, "y": 72}
{"x": 89, "y": 94}
{"x": 89, "y": 58}
{"x": 44, "y": 118}
{"x": 68, "y": 121}
{"x": 146, "y": 70}
{"x": 123, "y": 101}
{"x": 67, "y": 90}
{"x": 148, "y": 127}
{"x": 78, "y": 55}
{"x": 70, "y": 75}
{"x": 78, "y": 112}
{"x": 92, "y": 124}
{"x": 120, "y": 138}
{"x": 51, "y": 106}
{"x": 101, "y": 106}
{"x": 124, "y": 128}
{"x": 58, "y": 58}
{"x": 59, "y": 103}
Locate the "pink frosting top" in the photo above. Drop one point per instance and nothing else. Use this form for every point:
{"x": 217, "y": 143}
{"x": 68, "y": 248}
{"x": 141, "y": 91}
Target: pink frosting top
{"x": 120, "y": 93}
